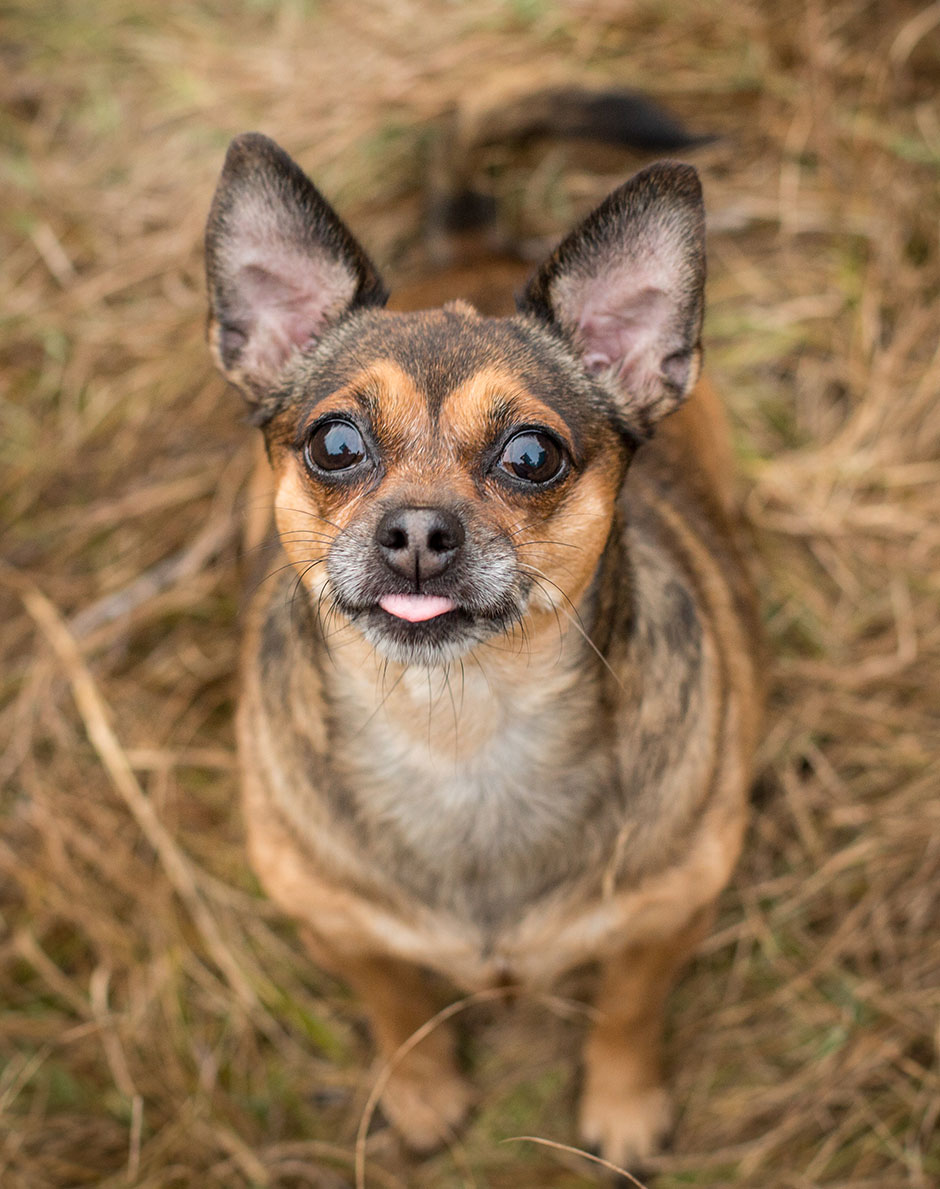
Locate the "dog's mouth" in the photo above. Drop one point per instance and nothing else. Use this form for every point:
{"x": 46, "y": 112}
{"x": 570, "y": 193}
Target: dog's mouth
{"x": 416, "y": 608}
{"x": 427, "y": 629}
{"x": 420, "y": 628}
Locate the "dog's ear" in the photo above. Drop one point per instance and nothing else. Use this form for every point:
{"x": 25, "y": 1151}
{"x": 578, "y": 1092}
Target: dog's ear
{"x": 280, "y": 264}
{"x": 627, "y": 289}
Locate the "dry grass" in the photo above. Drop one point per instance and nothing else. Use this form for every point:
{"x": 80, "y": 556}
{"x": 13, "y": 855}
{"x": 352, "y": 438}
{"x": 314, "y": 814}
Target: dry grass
{"x": 158, "y": 1024}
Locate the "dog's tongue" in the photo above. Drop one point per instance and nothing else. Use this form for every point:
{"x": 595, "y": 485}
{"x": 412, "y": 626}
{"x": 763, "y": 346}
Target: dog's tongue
{"x": 415, "y": 608}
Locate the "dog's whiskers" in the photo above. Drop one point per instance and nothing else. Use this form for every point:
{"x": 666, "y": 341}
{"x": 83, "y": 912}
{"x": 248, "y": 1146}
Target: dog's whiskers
{"x": 576, "y": 622}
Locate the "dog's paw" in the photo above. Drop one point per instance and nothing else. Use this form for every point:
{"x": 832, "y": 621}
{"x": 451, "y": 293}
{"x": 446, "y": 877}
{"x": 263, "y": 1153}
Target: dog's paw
{"x": 625, "y": 1128}
{"x": 426, "y": 1111}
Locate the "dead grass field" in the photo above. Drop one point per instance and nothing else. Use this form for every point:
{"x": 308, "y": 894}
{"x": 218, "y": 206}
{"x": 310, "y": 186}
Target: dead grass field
{"x": 159, "y": 1025}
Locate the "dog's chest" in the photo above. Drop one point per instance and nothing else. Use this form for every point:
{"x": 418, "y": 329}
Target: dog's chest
{"x": 480, "y": 801}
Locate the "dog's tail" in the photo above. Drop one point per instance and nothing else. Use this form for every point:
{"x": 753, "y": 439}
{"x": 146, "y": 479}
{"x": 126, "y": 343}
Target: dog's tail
{"x": 614, "y": 116}
{"x": 459, "y": 200}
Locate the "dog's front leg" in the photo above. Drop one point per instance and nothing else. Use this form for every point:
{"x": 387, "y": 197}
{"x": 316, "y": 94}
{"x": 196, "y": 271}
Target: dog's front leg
{"x": 625, "y": 1107}
{"x": 425, "y": 1097}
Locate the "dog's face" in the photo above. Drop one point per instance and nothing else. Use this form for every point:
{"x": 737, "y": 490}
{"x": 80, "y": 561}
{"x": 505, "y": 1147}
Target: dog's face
{"x": 436, "y": 483}
{"x": 443, "y": 478}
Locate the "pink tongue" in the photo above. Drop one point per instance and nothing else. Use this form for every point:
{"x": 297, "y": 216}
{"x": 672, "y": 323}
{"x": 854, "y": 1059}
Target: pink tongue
{"x": 415, "y": 608}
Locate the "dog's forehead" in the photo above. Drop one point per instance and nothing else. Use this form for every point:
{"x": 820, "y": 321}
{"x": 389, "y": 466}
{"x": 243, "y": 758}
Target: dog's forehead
{"x": 442, "y": 349}
{"x": 452, "y": 365}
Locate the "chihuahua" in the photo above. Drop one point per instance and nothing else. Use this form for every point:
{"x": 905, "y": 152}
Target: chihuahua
{"x": 500, "y": 703}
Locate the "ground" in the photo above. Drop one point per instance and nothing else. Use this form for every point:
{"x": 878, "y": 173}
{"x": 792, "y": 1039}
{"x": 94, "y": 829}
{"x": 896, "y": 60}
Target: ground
{"x": 160, "y": 1025}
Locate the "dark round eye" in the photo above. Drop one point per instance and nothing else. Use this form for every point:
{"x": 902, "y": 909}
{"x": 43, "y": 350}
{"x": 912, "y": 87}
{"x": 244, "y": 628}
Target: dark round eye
{"x": 334, "y": 446}
{"x": 532, "y": 456}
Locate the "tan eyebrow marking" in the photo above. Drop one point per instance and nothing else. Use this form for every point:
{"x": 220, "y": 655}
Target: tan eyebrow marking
{"x": 467, "y": 412}
{"x": 397, "y": 409}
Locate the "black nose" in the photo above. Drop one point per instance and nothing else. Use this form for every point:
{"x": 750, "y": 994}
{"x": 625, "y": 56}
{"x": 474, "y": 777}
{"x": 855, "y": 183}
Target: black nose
{"x": 419, "y": 543}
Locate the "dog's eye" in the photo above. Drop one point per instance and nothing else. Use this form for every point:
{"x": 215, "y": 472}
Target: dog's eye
{"x": 334, "y": 446}
{"x": 532, "y": 456}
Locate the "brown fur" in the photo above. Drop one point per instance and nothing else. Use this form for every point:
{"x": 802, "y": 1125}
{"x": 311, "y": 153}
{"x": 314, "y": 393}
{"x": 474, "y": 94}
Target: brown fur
{"x": 568, "y": 787}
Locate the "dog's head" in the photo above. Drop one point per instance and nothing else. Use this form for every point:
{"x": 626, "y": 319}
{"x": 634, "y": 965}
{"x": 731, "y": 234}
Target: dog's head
{"x": 443, "y": 477}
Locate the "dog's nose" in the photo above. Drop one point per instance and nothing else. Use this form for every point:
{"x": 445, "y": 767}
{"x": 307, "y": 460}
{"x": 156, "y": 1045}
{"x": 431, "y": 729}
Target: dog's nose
{"x": 419, "y": 543}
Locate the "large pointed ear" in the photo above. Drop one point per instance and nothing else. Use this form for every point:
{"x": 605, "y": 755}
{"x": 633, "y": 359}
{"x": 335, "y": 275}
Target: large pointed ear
{"x": 627, "y": 288}
{"x": 280, "y": 264}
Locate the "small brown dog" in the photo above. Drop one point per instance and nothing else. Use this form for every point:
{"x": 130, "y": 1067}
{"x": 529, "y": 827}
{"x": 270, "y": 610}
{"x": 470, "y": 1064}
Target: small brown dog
{"x": 500, "y": 707}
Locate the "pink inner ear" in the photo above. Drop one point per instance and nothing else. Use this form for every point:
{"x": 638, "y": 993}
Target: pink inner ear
{"x": 281, "y": 316}
{"x": 283, "y": 301}
{"x": 623, "y": 327}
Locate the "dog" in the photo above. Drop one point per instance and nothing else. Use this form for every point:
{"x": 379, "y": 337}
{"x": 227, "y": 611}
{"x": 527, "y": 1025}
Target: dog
{"x": 501, "y": 700}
